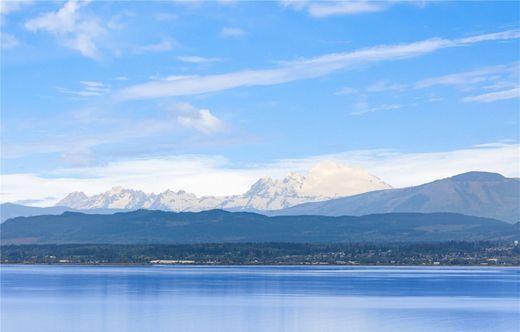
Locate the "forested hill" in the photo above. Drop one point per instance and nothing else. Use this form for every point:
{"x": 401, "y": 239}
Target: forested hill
{"x": 144, "y": 226}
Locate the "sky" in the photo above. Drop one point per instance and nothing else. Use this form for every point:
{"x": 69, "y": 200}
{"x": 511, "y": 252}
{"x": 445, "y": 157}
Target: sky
{"x": 210, "y": 96}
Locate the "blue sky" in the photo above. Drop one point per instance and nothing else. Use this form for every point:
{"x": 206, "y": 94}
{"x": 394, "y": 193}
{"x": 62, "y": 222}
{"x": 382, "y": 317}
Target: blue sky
{"x": 208, "y": 96}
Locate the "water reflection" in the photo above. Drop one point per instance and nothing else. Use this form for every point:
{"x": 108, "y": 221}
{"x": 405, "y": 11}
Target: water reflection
{"x": 202, "y": 298}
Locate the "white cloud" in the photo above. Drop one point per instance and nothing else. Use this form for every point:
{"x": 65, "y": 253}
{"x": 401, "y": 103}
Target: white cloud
{"x": 362, "y": 107}
{"x": 203, "y": 121}
{"x": 379, "y": 86}
{"x": 73, "y": 26}
{"x": 89, "y": 89}
{"x": 202, "y": 175}
{"x": 8, "y": 41}
{"x": 157, "y": 77}
{"x": 402, "y": 169}
{"x": 495, "y": 96}
{"x": 472, "y": 78}
{"x": 8, "y": 7}
{"x": 196, "y": 59}
{"x": 334, "y": 8}
{"x": 385, "y": 85}
{"x": 346, "y": 91}
{"x": 300, "y": 69}
{"x": 92, "y": 84}
{"x": 232, "y": 32}
{"x": 503, "y": 35}
{"x": 408, "y": 169}
{"x": 215, "y": 175}
{"x": 199, "y": 119}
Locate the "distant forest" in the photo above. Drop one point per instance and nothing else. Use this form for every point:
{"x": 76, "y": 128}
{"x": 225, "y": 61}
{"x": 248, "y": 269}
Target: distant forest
{"x": 444, "y": 253}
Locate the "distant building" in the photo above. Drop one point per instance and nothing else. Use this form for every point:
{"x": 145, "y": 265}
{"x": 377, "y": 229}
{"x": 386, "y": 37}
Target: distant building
{"x": 171, "y": 261}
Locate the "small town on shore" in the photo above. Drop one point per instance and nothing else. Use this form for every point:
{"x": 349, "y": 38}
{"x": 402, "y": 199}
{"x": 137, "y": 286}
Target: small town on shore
{"x": 446, "y": 253}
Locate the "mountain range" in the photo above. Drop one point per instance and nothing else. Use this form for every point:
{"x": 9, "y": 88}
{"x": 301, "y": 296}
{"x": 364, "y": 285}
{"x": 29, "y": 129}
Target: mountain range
{"x": 481, "y": 194}
{"x": 218, "y": 226}
{"x": 324, "y": 181}
{"x": 10, "y": 210}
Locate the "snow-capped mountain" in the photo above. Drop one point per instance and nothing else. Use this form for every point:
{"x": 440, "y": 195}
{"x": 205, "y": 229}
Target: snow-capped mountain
{"x": 324, "y": 181}
{"x": 115, "y": 198}
{"x": 482, "y": 194}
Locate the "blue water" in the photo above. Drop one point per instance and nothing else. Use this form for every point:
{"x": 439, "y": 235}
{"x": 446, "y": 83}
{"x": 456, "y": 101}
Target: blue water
{"x": 232, "y": 298}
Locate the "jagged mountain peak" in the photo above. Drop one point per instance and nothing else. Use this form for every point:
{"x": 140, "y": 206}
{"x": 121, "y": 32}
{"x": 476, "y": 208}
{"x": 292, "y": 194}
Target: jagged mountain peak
{"x": 116, "y": 197}
{"x": 267, "y": 186}
{"x": 327, "y": 179}
{"x": 263, "y": 182}
{"x": 71, "y": 199}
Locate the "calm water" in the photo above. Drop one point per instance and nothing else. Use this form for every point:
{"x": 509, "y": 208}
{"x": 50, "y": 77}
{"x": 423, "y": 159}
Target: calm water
{"x": 230, "y": 298}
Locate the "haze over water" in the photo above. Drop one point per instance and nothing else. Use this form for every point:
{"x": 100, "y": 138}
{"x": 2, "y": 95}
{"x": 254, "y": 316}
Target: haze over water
{"x": 267, "y": 298}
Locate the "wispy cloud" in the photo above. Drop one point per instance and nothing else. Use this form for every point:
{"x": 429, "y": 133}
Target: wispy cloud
{"x": 89, "y": 89}
{"x": 385, "y": 85}
{"x": 107, "y": 133}
{"x": 79, "y": 157}
{"x": 166, "y": 44}
{"x": 230, "y": 32}
{"x": 378, "y": 86}
{"x": 72, "y": 26}
{"x": 363, "y": 107}
{"x": 196, "y": 59}
{"x": 503, "y": 78}
{"x": 301, "y": 69}
{"x": 335, "y": 8}
{"x": 468, "y": 79}
{"x": 346, "y": 91}
{"x": 494, "y": 96}
{"x": 8, "y": 41}
{"x": 86, "y": 130}
{"x": 157, "y": 77}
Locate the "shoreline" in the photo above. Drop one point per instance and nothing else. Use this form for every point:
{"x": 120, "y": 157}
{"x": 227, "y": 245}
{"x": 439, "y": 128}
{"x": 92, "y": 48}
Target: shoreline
{"x": 269, "y": 254}
{"x": 260, "y": 265}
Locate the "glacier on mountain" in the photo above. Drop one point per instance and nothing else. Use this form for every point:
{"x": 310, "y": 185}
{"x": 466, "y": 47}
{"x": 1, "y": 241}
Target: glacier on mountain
{"x": 326, "y": 180}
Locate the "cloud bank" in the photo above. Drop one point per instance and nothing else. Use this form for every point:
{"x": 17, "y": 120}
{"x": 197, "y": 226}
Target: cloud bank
{"x": 216, "y": 175}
